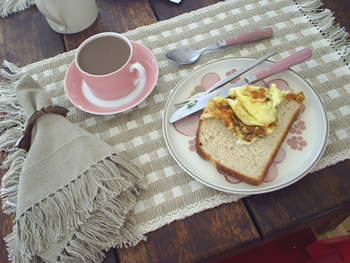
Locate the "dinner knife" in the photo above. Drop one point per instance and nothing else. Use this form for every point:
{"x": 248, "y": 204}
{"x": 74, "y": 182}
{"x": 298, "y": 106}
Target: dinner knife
{"x": 268, "y": 71}
{"x": 240, "y": 72}
{"x": 229, "y": 78}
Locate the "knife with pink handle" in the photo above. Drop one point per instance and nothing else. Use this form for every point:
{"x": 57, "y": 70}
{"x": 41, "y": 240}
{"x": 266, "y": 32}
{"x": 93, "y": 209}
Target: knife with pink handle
{"x": 284, "y": 64}
{"x": 201, "y": 102}
{"x": 188, "y": 56}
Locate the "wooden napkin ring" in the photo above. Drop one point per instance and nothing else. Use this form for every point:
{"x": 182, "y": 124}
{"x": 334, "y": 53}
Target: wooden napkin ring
{"x": 25, "y": 141}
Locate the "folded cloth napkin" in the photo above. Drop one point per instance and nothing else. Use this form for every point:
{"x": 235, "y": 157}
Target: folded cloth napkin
{"x": 75, "y": 193}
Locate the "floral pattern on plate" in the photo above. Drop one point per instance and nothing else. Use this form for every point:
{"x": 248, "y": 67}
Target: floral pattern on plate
{"x": 189, "y": 124}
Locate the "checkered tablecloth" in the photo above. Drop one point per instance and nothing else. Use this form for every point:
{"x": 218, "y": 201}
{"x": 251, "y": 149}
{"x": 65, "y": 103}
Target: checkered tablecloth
{"x": 137, "y": 134}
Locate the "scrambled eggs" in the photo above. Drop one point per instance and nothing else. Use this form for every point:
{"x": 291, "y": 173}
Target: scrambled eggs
{"x": 250, "y": 112}
{"x": 256, "y": 105}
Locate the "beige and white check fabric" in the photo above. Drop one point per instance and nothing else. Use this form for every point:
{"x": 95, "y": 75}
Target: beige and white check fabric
{"x": 137, "y": 133}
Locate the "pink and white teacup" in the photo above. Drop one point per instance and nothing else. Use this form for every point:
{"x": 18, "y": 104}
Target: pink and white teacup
{"x": 107, "y": 65}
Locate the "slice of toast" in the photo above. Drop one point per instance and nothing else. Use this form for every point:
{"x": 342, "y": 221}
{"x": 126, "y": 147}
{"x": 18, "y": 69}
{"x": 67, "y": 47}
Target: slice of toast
{"x": 248, "y": 163}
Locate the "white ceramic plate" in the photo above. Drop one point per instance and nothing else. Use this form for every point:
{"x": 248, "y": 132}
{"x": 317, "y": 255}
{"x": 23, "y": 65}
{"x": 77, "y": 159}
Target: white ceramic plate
{"x": 303, "y": 145}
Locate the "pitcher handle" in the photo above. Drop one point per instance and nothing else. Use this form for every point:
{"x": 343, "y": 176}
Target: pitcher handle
{"x": 42, "y": 8}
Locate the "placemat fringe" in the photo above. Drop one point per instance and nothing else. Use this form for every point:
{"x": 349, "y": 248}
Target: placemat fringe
{"x": 323, "y": 19}
{"x": 12, "y": 128}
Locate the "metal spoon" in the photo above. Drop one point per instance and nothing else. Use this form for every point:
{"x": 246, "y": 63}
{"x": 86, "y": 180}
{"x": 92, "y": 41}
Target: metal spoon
{"x": 188, "y": 56}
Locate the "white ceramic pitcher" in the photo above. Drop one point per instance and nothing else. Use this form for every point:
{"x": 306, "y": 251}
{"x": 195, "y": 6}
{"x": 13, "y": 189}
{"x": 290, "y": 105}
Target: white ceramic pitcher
{"x": 68, "y": 16}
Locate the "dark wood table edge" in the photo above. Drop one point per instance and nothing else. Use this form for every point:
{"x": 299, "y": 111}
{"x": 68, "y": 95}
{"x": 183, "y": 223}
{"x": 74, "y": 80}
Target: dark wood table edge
{"x": 321, "y": 223}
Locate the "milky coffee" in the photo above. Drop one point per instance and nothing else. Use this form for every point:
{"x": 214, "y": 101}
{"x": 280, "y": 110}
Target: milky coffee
{"x": 104, "y": 55}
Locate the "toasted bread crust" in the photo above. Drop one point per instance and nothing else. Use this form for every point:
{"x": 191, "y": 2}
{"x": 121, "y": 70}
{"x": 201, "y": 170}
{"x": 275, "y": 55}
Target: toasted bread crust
{"x": 225, "y": 169}
{"x": 206, "y": 156}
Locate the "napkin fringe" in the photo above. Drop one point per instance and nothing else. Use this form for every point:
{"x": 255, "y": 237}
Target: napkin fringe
{"x": 71, "y": 208}
{"x": 323, "y": 19}
{"x": 12, "y": 6}
{"x": 96, "y": 234}
{"x": 12, "y": 127}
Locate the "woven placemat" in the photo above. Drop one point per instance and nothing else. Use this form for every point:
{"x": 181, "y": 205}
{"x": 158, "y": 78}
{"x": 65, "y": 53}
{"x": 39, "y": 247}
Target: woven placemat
{"x": 137, "y": 133}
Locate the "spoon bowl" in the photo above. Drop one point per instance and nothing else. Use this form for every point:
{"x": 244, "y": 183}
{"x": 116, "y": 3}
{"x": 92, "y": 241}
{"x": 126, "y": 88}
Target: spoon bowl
{"x": 184, "y": 55}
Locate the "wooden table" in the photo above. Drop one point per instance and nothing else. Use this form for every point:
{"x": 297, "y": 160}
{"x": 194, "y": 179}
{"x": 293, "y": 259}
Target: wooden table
{"x": 322, "y": 199}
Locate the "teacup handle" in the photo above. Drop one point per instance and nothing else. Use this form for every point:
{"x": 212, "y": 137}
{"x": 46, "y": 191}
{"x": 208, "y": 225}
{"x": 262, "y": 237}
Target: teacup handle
{"x": 42, "y": 8}
{"x": 141, "y": 72}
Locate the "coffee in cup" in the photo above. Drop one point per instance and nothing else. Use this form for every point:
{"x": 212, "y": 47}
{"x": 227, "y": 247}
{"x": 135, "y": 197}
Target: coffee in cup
{"x": 107, "y": 65}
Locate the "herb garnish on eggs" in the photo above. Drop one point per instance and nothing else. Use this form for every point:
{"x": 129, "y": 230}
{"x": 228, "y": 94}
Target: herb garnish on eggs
{"x": 250, "y": 111}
